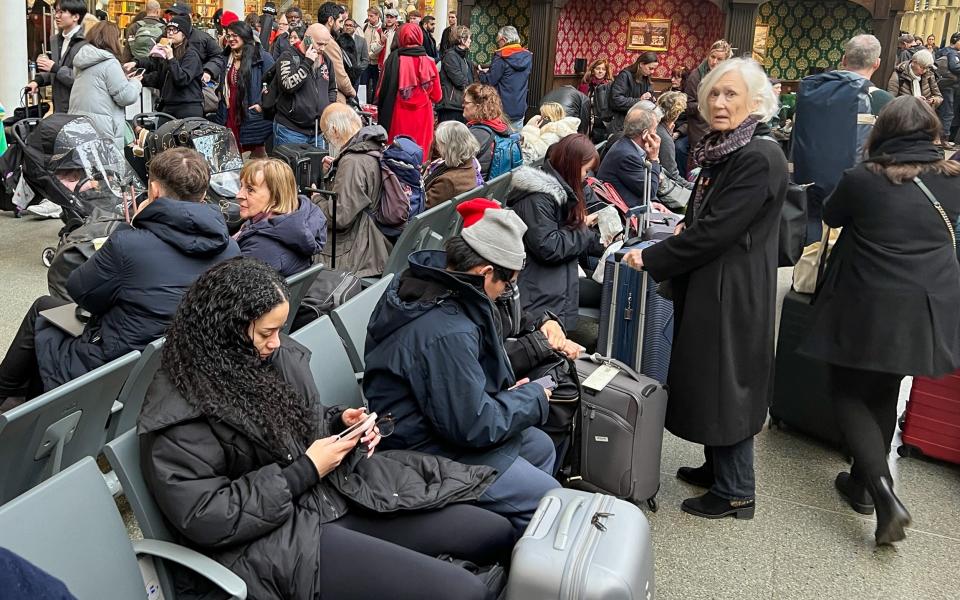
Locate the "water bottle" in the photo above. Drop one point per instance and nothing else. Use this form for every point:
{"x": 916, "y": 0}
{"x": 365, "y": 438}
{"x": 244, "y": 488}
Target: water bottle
{"x": 32, "y": 69}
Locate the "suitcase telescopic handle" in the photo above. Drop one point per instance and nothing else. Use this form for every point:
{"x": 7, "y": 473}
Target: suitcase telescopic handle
{"x": 566, "y": 519}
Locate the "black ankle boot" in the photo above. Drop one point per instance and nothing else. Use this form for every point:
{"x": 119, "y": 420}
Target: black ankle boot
{"x": 701, "y": 476}
{"x": 711, "y": 506}
{"x": 892, "y": 515}
{"x": 853, "y": 493}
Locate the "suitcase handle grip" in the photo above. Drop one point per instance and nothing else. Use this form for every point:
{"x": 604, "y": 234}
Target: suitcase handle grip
{"x": 566, "y": 519}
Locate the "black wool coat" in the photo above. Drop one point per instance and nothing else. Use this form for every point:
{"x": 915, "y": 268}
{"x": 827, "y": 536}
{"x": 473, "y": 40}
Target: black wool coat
{"x": 891, "y": 292}
{"x": 724, "y": 273}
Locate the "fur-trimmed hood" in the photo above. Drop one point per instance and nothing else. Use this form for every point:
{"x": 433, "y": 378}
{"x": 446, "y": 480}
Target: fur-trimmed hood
{"x": 528, "y": 180}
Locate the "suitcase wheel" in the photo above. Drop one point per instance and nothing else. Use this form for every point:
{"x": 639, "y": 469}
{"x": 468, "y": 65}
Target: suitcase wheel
{"x": 908, "y": 451}
{"x": 46, "y": 257}
{"x": 902, "y": 420}
{"x": 652, "y": 503}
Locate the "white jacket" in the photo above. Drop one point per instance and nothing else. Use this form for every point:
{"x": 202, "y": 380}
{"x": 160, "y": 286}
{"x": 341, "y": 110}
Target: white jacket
{"x": 101, "y": 90}
{"x": 536, "y": 140}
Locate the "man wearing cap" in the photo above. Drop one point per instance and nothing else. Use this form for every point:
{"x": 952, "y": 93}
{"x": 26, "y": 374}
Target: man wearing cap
{"x": 435, "y": 361}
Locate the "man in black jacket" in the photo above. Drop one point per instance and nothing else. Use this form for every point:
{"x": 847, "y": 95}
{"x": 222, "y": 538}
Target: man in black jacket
{"x": 307, "y": 87}
{"x": 428, "y": 24}
{"x": 131, "y": 286}
{"x": 574, "y": 102}
{"x": 56, "y": 67}
{"x": 448, "y": 38}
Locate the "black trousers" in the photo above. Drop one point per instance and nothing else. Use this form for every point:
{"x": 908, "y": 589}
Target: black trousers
{"x": 182, "y": 111}
{"x": 397, "y": 553}
{"x": 866, "y": 407}
{"x": 19, "y": 373}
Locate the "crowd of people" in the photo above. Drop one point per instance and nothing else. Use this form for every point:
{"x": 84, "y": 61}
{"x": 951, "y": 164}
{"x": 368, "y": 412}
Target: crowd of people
{"x": 234, "y": 450}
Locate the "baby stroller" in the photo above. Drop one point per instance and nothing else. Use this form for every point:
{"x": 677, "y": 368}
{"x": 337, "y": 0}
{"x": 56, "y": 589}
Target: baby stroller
{"x": 65, "y": 160}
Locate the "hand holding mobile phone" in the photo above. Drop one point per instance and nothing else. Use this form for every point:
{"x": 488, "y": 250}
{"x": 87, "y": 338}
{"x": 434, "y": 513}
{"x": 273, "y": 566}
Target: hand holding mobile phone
{"x": 358, "y": 428}
{"x": 546, "y": 382}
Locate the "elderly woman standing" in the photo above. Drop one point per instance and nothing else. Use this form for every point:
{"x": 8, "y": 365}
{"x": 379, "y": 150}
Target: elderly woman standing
{"x": 457, "y": 170}
{"x": 916, "y": 77}
{"x": 876, "y": 271}
{"x": 723, "y": 267}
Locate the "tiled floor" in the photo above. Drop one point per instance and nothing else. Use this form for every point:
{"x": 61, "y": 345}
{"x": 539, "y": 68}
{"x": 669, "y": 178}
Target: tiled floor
{"x": 802, "y": 544}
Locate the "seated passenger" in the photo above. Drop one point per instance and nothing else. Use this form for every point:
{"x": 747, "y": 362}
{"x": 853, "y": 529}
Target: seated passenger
{"x": 435, "y": 360}
{"x": 131, "y": 285}
{"x": 457, "y": 170}
{"x": 546, "y": 129}
{"x": 237, "y": 451}
{"x": 483, "y": 111}
{"x": 623, "y": 163}
{"x": 361, "y": 247}
{"x": 281, "y": 229}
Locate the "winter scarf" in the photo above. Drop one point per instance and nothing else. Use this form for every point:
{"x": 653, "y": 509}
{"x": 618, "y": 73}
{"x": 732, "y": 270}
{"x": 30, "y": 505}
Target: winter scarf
{"x": 916, "y": 147}
{"x": 717, "y": 146}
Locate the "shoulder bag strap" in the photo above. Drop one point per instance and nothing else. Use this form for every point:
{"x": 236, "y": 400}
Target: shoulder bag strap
{"x": 936, "y": 204}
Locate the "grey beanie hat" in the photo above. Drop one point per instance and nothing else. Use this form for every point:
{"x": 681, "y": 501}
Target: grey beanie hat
{"x": 494, "y": 233}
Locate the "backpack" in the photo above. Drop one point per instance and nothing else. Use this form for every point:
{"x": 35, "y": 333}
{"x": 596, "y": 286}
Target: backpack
{"x": 602, "y": 108}
{"x": 402, "y": 190}
{"x": 507, "y": 154}
{"x": 145, "y": 39}
{"x": 943, "y": 69}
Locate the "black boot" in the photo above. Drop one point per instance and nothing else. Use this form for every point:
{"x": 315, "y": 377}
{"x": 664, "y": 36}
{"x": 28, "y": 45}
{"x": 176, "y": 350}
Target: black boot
{"x": 701, "y": 476}
{"x": 855, "y": 494}
{"x": 711, "y": 506}
{"x": 892, "y": 515}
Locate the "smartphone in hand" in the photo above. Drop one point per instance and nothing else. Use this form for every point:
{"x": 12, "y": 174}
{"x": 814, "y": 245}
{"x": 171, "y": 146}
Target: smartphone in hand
{"x": 357, "y": 429}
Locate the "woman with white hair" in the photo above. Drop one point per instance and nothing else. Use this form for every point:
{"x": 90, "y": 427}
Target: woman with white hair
{"x": 916, "y": 77}
{"x": 722, "y": 265}
{"x": 457, "y": 170}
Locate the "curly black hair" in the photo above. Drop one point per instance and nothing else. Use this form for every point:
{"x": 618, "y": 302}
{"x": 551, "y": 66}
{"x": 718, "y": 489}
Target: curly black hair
{"x": 210, "y": 358}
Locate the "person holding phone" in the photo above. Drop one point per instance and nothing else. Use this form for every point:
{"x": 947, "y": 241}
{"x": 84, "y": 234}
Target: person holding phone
{"x": 240, "y": 456}
{"x": 307, "y": 87}
{"x": 175, "y": 68}
{"x": 917, "y": 77}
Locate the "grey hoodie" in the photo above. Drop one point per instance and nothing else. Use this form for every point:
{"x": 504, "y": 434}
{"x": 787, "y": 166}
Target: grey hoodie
{"x": 101, "y": 90}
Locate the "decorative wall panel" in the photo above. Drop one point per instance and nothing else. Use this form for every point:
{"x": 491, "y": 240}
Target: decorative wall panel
{"x": 809, "y": 33}
{"x": 488, "y": 16}
{"x": 591, "y": 28}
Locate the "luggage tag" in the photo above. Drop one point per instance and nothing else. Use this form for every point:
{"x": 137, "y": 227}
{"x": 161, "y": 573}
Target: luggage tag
{"x": 601, "y": 377}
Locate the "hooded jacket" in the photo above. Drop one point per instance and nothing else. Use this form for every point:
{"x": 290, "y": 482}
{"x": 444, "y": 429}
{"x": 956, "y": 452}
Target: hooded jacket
{"x": 435, "y": 361}
{"x": 361, "y": 248}
{"x": 550, "y": 281}
{"x": 510, "y": 74}
{"x": 133, "y": 285}
{"x": 306, "y": 90}
{"x": 537, "y": 139}
{"x": 456, "y": 73}
{"x": 61, "y": 75}
{"x": 259, "y": 510}
{"x": 101, "y": 90}
{"x": 287, "y": 242}
{"x": 180, "y": 81}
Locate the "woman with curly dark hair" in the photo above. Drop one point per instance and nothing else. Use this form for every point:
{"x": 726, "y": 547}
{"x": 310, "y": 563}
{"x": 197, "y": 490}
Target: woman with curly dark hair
{"x": 237, "y": 449}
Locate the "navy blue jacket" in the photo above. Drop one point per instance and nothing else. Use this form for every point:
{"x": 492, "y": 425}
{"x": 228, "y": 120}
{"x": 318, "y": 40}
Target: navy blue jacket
{"x": 510, "y": 74}
{"x": 622, "y": 167}
{"x": 254, "y": 130}
{"x": 133, "y": 284}
{"x": 435, "y": 361}
{"x": 287, "y": 242}
{"x": 22, "y": 579}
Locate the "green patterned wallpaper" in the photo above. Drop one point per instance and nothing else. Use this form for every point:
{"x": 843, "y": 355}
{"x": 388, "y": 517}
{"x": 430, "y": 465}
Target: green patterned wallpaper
{"x": 809, "y": 33}
{"x": 488, "y": 16}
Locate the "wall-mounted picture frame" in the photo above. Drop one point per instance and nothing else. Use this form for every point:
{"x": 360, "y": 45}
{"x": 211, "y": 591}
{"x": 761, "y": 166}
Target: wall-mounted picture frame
{"x": 760, "y": 35}
{"x": 648, "y": 35}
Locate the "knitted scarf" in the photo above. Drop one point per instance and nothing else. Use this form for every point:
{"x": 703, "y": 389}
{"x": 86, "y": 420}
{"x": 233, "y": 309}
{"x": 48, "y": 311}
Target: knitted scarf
{"x": 716, "y": 147}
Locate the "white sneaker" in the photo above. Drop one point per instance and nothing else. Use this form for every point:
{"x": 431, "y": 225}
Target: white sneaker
{"x": 45, "y": 209}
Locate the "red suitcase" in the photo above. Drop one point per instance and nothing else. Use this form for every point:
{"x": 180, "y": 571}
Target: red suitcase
{"x": 932, "y": 419}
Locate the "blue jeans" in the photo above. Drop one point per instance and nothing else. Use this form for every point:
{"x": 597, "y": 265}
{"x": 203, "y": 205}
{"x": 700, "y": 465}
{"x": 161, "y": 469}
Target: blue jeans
{"x": 683, "y": 150}
{"x": 733, "y": 476}
{"x": 285, "y": 135}
{"x": 518, "y": 490}
{"x": 945, "y": 110}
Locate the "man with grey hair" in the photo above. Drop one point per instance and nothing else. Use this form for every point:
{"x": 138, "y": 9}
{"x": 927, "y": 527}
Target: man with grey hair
{"x": 835, "y": 114}
{"x": 509, "y": 73}
{"x": 625, "y": 165}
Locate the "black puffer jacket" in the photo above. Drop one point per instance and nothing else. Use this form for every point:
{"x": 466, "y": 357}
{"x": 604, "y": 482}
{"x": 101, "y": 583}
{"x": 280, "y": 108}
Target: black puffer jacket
{"x": 574, "y": 102}
{"x": 259, "y": 510}
{"x": 456, "y": 73}
{"x": 550, "y": 281}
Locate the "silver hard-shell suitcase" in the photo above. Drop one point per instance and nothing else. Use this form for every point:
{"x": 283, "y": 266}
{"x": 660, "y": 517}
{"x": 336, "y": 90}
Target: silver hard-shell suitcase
{"x": 583, "y": 546}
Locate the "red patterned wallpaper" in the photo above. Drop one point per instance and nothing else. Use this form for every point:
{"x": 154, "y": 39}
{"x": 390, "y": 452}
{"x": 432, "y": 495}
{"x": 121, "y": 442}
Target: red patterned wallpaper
{"x": 587, "y": 29}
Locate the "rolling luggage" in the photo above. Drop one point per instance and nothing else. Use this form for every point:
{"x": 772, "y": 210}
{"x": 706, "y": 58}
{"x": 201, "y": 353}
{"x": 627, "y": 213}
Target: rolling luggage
{"x": 932, "y": 420}
{"x": 583, "y": 546}
{"x": 801, "y": 392}
{"x": 306, "y": 161}
{"x": 621, "y": 430}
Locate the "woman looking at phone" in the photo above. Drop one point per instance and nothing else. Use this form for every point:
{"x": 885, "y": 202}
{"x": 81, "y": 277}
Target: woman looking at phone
{"x": 175, "y": 68}
{"x": 237, "y": 451}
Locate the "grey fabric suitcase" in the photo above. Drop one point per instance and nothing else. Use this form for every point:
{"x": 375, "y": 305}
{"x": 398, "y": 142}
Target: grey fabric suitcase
{"x": 621, "y": 431}
{"x": 583, "y": 546}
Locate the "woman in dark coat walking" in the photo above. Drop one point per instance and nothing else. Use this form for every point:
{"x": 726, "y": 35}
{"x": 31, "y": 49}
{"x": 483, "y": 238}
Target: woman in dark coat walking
{"x": 630, "y": 86}
{"x": 723, "y": 268}
{"x": 243, "y": 65}
{"x": 888, "y": 305}
{"x": 550, "y": 201}
{"x": 236, "y": 449}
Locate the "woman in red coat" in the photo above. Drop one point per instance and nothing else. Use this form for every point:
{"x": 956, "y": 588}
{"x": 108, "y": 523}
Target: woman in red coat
{"x": 409, "y": 88}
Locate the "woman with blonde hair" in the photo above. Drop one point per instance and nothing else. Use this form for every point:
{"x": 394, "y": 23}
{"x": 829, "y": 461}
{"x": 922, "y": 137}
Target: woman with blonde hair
{"x": 544, "y": 130}
{"x": 672, "y": 105}
{"x": 457, "y": 170}
{"x": 598, "y": 73}
{"x": 280, "y": 228}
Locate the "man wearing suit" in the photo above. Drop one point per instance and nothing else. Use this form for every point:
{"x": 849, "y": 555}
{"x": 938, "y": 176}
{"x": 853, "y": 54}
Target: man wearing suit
{"x": 623, "y": 166}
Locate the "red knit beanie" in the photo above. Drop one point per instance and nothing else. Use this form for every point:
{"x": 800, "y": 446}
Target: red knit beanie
{"x": 228, "y": 18}
{"x": 472, "y": 210}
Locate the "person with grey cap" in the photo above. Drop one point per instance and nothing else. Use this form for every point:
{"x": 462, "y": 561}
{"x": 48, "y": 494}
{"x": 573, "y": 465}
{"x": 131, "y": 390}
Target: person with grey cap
{"x": 435, "y": 360}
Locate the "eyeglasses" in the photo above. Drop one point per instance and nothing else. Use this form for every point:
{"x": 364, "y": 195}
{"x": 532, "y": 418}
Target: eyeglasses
{"x": 230, "y": 36}
{"x": 385, "y": 425}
